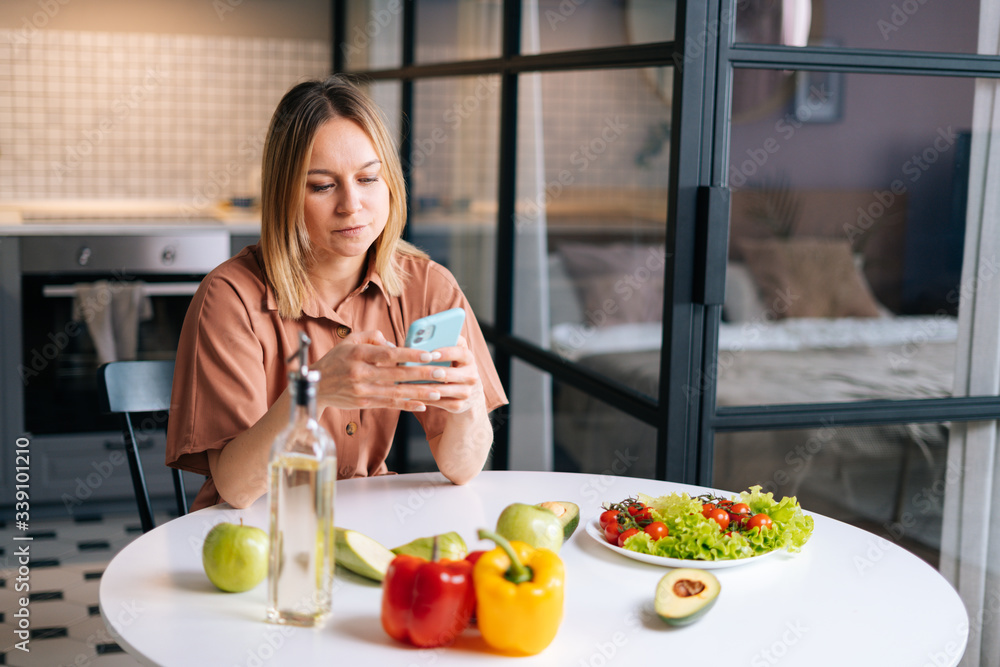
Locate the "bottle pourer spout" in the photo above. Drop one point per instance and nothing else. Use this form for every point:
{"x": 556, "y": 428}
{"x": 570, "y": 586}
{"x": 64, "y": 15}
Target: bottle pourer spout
{"x": 303, "y": 355}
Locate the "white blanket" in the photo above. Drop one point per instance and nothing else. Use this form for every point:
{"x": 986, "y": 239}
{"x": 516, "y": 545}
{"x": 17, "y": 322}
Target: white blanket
{"x": 575, "y": 341}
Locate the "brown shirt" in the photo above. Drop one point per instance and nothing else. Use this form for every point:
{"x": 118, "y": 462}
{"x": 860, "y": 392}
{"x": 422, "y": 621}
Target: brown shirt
{"x": 231, "y": 364}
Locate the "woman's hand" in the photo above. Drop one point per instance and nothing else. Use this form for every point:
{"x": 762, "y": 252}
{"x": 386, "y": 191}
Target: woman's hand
{"x": 460, "y": 384}
{"x": 365, "y": 371}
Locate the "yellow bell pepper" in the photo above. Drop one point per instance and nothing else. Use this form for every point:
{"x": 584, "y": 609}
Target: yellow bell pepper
{"x": 519, "y": 596}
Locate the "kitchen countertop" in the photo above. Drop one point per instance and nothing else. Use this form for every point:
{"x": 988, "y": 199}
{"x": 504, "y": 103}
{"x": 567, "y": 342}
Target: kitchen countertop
{"x": 122, "y": 217}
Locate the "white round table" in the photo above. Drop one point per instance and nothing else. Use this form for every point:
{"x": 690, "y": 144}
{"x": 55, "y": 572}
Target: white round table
{"x": 849, "y": 598}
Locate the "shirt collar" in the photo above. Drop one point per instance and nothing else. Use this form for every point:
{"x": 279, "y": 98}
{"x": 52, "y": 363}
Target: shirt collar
{"x": 315, "y": 308}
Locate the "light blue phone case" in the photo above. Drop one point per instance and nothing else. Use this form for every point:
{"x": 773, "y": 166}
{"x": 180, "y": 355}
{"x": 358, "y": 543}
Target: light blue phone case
{"x": 435, "y": 331}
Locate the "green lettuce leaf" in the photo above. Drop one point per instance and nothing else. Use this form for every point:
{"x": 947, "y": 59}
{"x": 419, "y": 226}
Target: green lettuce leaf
{"x": 694, "y": 537}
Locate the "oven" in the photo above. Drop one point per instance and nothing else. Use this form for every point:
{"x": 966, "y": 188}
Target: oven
{"x": 85, "y": 300}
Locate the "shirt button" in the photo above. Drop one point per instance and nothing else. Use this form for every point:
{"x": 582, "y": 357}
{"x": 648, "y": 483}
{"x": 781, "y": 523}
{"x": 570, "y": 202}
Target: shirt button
{"x": 352, "y": 428}
{"x": 343, "y": 331}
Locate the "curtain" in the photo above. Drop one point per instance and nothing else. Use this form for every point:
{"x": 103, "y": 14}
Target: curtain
{"x": 531, "y": 444}
{"x": 970, "y": 549}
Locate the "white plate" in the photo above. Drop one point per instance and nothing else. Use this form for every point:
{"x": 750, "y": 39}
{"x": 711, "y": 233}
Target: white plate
{"x": 594, "y": 530}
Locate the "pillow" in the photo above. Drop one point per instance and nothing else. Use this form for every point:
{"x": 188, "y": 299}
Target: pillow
{"x": 808, "y": 277}
{"x": 619, "y": 283}
{"x": 742, "y": 302}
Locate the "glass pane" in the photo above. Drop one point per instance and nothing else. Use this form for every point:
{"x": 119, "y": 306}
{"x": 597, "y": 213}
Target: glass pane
{"x": 888, "y": 479}
{"x": 591, "y": 219}
{"x": 373, "y": 34}
{"x": 907, "y": 25}
{"x": 564, "y": 25}
{"x": 593, "y": 437}
{"x": 388, "y": 96}
{"x": 454, "y": 180}
{"x": 453, "y": 30}
{"x": 846, "y": 240}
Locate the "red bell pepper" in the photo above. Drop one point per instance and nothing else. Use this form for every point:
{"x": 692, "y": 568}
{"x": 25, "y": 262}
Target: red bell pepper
{"x": 427, "y": 602}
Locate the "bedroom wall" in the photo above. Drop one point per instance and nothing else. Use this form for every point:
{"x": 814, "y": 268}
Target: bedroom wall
{"x": 884, "y": 122}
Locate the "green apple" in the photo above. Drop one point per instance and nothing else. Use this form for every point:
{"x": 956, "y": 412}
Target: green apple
{"x": 532, "y": 525}
{"x": 235, "y": 556}
{"x": 451, "y": 546}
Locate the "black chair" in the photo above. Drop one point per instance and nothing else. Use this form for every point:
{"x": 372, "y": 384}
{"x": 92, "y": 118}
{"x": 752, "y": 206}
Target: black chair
{"x": 129, "y": 388}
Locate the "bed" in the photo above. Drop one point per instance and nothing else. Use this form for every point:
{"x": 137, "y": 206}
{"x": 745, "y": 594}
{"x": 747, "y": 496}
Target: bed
{"x": 791, "y": 333}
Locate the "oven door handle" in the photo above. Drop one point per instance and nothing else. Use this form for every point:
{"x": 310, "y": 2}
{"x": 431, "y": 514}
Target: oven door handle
{"x": 148, "y": 289}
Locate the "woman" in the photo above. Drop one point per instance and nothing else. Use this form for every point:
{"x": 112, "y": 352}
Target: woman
{"x": 330, "y": 263}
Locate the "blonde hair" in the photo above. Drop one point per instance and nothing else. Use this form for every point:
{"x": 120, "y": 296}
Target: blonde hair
{"x": 284, "y": 241}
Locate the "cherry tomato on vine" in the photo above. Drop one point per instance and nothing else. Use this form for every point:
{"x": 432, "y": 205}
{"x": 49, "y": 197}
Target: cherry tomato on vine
{"x": 608, "y": 516}
{"x": 739, "y": 508}
{"x": 657, "y": 529}
{"x": 707, "y": 508}
{"x": 635, "y": 508}
{"x": 611, "y": 532}
{"x": 761, "y": 521}
{"x": 719, "y": 516}
{"x": 625, "y": 535}
{"x": 644, "y": 516}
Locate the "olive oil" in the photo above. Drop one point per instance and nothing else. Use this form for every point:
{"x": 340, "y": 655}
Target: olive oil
{"x": 302, "y": 542}
{"x": 303, "y": 471}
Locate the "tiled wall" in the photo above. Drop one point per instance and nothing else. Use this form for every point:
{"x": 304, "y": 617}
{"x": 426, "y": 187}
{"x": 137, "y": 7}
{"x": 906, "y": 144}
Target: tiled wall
{"x": 605, "y": 128}
{"x": 124, "y": 115}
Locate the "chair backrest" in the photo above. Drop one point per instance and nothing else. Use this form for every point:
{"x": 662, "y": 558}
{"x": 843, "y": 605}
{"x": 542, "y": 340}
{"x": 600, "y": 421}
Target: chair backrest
{"x": 130, "y": 387}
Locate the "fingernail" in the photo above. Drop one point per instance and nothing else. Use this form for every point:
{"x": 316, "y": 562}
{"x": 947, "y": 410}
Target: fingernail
{"x": 438, "y": 374}
{"x": 419, "y": 408}
{"x": 426, "y": 356}
{"x": 435, "y": 396}
{"x": 435, "y": 355}
{"x": 390, "y": 344}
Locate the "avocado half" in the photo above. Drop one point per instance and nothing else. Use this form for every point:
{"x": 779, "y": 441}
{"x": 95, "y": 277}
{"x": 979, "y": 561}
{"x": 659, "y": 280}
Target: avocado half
{"x": 684, "y": 595}
{"x": 568, "y": 514}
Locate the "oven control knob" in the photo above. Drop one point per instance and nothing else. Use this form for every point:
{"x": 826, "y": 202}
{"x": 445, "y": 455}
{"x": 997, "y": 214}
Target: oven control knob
{"x": 168, "y": 255}
{"x": 83, "y": 256}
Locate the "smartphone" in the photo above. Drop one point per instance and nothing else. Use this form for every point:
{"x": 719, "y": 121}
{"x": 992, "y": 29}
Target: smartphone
{"x": 435, "y": 331}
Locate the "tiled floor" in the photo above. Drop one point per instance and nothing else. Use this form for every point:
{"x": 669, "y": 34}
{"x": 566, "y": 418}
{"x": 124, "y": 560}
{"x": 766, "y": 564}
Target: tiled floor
{"x": 67, "y": 560}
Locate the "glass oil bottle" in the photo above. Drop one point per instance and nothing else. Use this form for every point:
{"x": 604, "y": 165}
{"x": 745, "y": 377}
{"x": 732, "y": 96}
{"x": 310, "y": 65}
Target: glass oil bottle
{"x": 303, "y": 470}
